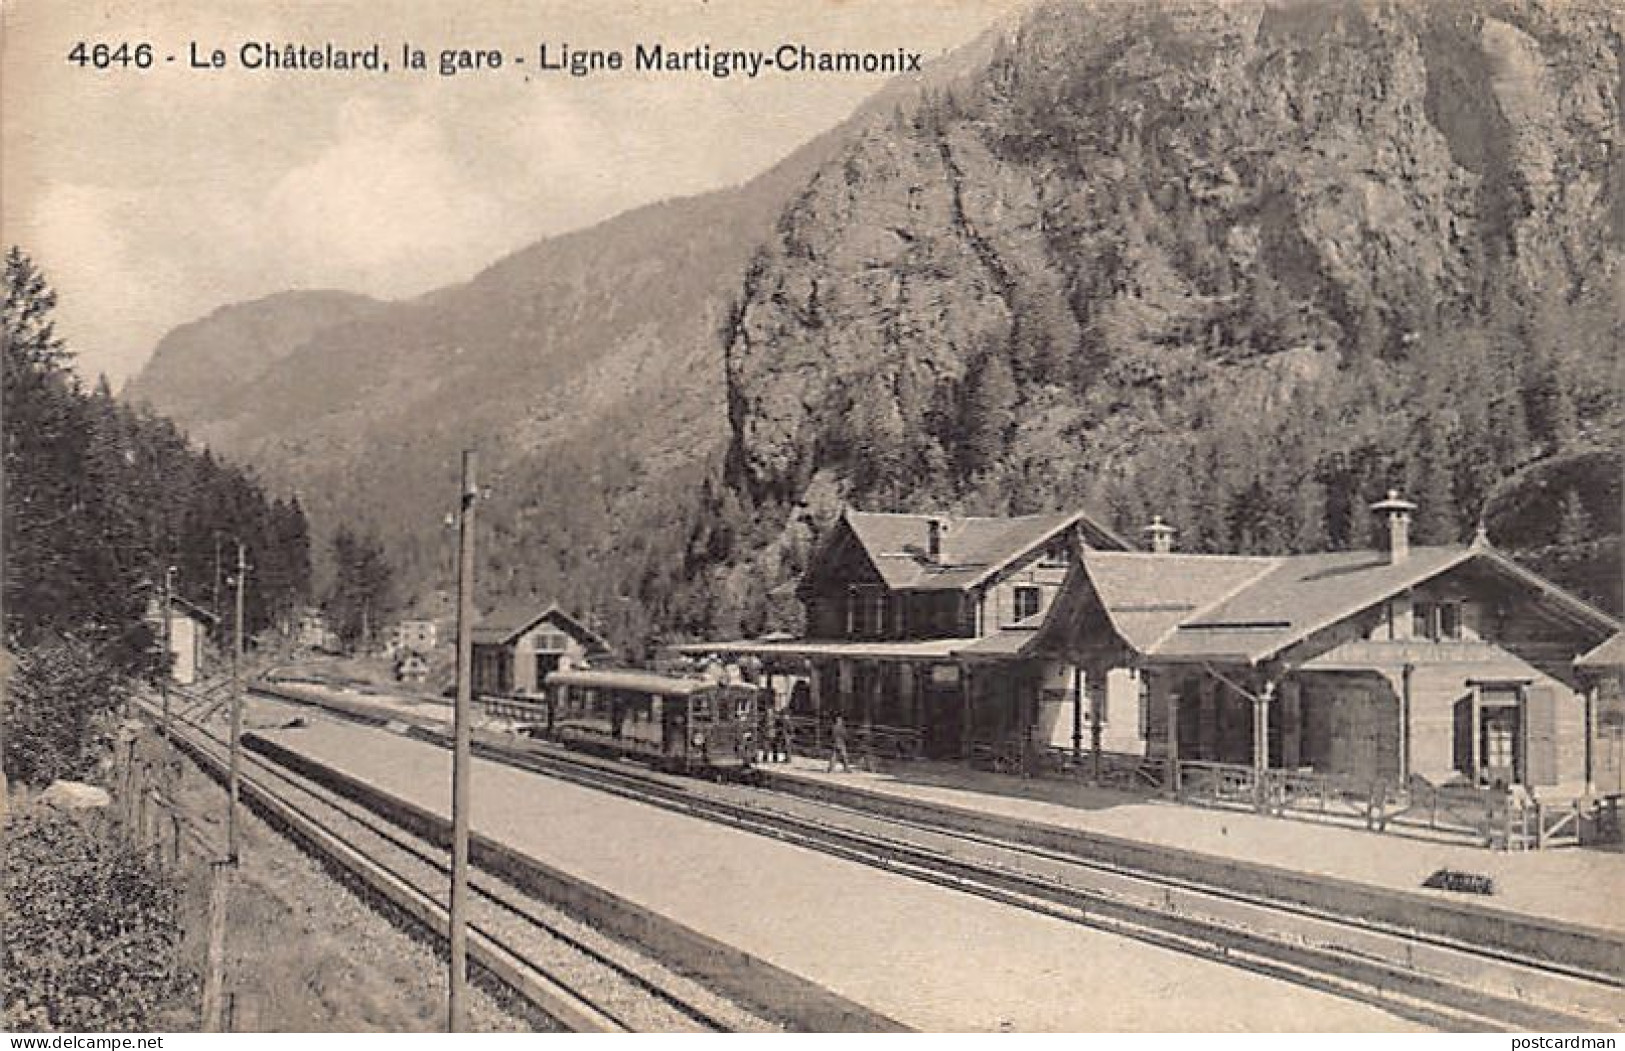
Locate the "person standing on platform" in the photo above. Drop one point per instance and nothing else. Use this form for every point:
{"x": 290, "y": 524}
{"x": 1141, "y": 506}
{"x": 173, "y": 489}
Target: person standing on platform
{"x": 781, "y": 737}
{"x": 837, "y": 746}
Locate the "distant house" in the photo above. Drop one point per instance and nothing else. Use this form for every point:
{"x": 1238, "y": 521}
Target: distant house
{"x": 188, "y": 625}
{"x": 311, "y": 631}
{"x": 411, "y": 666}
{"x": 411, "y": 636}
{"x": 910, "y": 621}
{"x": 1451, "y": 663}
{"x": 514, "y": 649}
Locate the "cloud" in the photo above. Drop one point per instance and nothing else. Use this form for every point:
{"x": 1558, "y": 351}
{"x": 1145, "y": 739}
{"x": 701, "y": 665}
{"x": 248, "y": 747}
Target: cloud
{"x": 79, "y": 236}
{"x": 388, "y": 209}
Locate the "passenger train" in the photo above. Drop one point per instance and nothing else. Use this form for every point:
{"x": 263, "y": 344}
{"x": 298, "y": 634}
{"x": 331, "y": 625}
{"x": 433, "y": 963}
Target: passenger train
{"x": 685, "y": 725}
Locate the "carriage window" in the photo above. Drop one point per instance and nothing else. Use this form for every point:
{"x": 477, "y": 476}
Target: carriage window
{"x": 742, "y": 711}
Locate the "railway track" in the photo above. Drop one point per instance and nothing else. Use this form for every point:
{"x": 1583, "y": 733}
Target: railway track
{"x": 1440, "y": 983}
{"x": 573, "y": 975}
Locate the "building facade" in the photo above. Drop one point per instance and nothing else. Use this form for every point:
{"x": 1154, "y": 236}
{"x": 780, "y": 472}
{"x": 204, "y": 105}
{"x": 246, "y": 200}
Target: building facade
{"x": 913, "y": 622}
{"x": 515, "y": 649}
{"x": 1452, "y": 664}
{"x": 188, "y": 628}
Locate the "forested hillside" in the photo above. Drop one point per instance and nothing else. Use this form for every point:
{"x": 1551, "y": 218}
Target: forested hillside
{"x": 100, "y": 500}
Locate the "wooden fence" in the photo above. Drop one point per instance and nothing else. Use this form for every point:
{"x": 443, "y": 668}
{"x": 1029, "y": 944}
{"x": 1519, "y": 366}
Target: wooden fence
{"x": 1501, "y": 818}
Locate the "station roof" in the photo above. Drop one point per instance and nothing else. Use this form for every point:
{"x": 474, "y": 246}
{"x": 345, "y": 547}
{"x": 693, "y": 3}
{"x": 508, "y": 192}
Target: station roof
{"x": 972, "y": 548}
{"x": 1610, "y": 656}
{"x": 629, "y": 679}
{"x": 1246, "y": 609}
{"x": 903, "y": 649}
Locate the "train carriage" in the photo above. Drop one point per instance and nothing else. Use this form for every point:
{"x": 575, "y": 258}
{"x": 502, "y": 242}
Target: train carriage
{"x": 688, "y": 725}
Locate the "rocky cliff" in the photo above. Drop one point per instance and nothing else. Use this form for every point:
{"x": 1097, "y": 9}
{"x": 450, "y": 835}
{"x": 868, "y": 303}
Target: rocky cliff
{"x": 1244, "y": 265}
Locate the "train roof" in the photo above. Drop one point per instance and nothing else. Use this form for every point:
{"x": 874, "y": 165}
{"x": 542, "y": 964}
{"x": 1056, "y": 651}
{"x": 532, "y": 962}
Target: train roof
{"x": 641, "y": 681}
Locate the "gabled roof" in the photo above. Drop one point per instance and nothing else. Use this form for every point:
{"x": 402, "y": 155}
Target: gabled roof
{"x": 505, "y": 625}
{"x": 1298, "y": 596}
{"x": 1610, "y": 656}
{"x": 1147, "y": 596}
{"x": 182, "y": 606}
{"x": 1243, "y": 609}
{"x": 973, "y": 548}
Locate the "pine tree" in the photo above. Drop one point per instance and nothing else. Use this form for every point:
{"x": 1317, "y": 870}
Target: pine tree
{"x": 987, "y": 414}
{"x": 1573, "y": 523}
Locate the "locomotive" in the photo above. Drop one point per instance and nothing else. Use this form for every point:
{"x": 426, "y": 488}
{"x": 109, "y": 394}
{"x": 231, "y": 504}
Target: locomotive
{"x": 684, "y": 725}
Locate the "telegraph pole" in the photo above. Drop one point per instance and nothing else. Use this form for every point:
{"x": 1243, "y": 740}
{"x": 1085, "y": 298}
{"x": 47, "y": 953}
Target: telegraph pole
{"x": 456, "y": 1016}
{"x": 232, "y": 823}
{"x": 169, "y": 648}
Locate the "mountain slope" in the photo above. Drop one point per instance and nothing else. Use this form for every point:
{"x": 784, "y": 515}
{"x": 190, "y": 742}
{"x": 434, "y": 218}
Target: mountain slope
{"x": 1245, "y": 266}
{"x": 199, "y": 371}
{"x": 587, "y": 369}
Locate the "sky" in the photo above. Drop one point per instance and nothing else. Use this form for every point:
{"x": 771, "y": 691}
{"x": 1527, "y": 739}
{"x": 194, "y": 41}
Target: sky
{"x": 150, "y": 197}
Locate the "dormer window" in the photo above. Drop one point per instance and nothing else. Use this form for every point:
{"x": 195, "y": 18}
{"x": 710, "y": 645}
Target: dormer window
{"x": 1028, "y": 600}
{"x": 1436, "y": 621}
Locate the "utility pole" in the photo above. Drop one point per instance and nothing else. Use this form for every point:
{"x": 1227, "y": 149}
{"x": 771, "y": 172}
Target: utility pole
{"x": 169, "y": 647}
{"x": 232, "y": 823}
{"x": 456, "y": 1013}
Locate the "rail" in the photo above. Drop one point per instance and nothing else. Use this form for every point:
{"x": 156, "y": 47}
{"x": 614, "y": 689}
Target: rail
{"x": 1346, "y": 952}
{"x": 513, "y": 939}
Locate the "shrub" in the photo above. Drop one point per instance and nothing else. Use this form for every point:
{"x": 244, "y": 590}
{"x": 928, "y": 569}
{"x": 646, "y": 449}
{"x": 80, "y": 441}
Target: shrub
{"x": 61, "y": 695}
{"x": 91, "y": 928}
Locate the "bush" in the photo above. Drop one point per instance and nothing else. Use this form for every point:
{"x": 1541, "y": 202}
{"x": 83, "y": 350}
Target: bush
{"x": 91, "y": 929}
{"x": 60, "y": 698}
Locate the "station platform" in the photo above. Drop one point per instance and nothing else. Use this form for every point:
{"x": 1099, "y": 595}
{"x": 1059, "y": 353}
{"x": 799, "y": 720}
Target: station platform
{"x": 924, "y": 956}
{"x": 1570, "y": 885}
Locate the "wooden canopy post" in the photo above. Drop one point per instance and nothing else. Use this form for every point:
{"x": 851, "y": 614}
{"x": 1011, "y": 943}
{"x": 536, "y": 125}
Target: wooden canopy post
{"x": 1171, "y": 781}
{"x": 871, "y": 701}
{"x": 815, "y": 691}
{"x": 1261, "y": 745}
{"x": 964, "y": 713}
{"x": 1097, "y": 702}
{"x": 1077, "y": 717}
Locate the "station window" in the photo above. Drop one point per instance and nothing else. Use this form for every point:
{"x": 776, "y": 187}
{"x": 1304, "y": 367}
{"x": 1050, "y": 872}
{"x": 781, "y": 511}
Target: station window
{"x": 867, "y": 614}
{"x": 1029, "y": 600}
{"x": 1437, "y": 621}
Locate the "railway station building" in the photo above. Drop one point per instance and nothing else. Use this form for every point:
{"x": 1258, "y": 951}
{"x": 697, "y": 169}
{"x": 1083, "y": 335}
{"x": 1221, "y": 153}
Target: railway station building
{"x": 515, "y": 648}
{"x": 1453, "y": 663}
{"x": 1045, "y": 642}
{"x": 914, "y": 630}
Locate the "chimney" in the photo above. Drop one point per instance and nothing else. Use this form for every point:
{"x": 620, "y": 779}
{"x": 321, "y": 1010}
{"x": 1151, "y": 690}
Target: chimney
{"x": 1399, "y": 525}
{"x": 936, "y": 538}
{"x": 1161, "y": 534}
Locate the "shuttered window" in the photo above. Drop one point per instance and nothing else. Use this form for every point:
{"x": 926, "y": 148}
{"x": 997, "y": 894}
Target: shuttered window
{"x": 1540, "y": 722}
